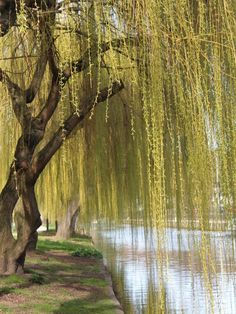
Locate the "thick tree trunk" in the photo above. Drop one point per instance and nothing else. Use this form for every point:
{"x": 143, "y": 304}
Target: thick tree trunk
{"x": 8, "y": 200}
{"x": 13, "y": 251}
{"x": 32, "y": 243}
{"x": 19, "y": 222}
{"x": 67, "y": 225}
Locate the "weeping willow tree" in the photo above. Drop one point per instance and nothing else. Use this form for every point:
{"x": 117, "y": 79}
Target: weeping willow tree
{"x": 162, "y": 148}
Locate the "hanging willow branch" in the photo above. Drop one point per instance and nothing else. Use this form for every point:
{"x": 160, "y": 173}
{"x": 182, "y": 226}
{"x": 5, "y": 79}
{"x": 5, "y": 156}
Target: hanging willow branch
{"x": 92, "y": 53}
{"x": 43, "y": 157}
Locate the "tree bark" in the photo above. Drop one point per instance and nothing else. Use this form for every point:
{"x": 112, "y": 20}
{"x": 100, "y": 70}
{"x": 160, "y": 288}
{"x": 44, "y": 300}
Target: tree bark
{"x": 8, "y": 200}
{"x": 19, "y": 219}
{"x": 13, "y": 251}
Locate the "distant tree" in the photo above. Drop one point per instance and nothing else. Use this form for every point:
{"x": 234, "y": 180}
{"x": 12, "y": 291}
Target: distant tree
{"x": 67, "y": 226}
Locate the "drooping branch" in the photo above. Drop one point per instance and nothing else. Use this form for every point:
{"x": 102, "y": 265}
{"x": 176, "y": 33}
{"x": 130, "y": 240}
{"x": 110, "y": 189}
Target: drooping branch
{"x": 60, "y": 79}
{"x": 91, "y": 54}
{"x": 43, "y": 157}
{"x": 34, "y": 127}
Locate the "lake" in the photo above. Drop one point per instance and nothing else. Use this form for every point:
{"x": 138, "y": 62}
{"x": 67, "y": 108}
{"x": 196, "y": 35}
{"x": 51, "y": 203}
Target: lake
{"x": 195, "y": 271}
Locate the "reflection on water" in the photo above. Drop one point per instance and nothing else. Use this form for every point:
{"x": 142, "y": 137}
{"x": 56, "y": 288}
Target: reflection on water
{"x": 199, "y": 269}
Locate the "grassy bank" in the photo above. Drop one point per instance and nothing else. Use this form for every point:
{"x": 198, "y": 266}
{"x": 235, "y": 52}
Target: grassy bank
{"x": 62, "y": 278}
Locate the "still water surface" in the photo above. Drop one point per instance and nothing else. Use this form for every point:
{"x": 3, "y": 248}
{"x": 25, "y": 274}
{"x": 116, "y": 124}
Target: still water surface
{"x": 199, "y": 269}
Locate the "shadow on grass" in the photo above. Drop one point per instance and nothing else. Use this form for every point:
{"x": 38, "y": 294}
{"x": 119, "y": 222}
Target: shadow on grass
{"x": 8, "y": 284}
{"x": 6, "y": 290}
{"x": 101, "y": 306}
{"x": 47, "y": 273}
{"x": 45, "y": 233}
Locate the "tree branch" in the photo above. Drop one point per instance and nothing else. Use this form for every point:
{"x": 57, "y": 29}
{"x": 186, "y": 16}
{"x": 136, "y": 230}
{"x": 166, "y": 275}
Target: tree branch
{"x": 19, "y": 97}
{"x": 35, "y": 84}
{"x": 51, "y": 104}
{"x": 76, "y": 67}
{"x": 54, "y": 94}
{"x": 43, "y": 157}
{"x": 22, "y": 112}
{"x": 91, "y": 54}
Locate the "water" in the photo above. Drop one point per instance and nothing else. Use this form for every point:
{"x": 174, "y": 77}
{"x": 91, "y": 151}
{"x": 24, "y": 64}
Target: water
{"x": 199, "y": 269}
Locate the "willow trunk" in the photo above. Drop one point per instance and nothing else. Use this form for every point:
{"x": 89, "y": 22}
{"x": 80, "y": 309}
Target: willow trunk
{"x": 13, "y": 250}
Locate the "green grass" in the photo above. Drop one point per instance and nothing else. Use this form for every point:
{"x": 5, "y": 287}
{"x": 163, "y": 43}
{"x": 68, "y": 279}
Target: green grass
{"x": 12, "y": 279}
{"x": 37, "y": 278}
{"x": 6, "y": 290}
{"x": 83, "y": 251}
{"x": 103, "y": 306}
{"x": 55, "y": 284}
{"x": 5, "y": 309}
{"x": 49, "y": 245}
{"x": 8, "y": 284}
{"x": 80, "y": 247}
{"x": 83, "y": 237}
{"x": 94, "y": 282}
